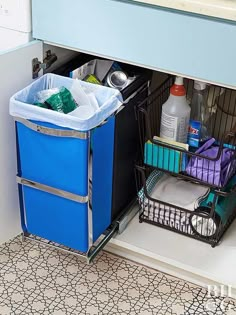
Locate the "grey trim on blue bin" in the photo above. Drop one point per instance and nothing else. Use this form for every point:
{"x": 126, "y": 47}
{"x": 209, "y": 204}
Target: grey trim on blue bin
{"x": 52, "y": 131}
{"x": 52, "y": 190}
{"x": 90, "y": 213}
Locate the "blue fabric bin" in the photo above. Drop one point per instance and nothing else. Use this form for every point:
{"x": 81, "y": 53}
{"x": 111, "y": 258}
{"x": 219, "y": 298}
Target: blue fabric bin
{"x": 58, "y": 162}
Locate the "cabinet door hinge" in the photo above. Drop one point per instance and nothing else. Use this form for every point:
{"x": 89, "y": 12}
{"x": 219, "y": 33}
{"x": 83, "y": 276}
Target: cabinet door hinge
{"x": 47, "y": 62}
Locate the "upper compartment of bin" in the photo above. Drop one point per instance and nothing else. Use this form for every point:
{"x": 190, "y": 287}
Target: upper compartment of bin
{"x": 150, "y": 36}
{"x": 140, "y": 75}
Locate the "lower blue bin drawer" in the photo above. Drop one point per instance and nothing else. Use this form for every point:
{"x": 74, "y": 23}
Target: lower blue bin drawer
{"x": 56, "y": 219}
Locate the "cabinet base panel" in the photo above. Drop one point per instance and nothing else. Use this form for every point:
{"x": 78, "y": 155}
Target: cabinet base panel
{"x": 177, "y": 255}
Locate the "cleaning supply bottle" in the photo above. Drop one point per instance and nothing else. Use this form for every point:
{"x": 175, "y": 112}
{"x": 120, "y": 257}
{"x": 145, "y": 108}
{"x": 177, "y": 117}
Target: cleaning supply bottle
{"x": 199, "y": 128}
{"x": 175, "y": 114}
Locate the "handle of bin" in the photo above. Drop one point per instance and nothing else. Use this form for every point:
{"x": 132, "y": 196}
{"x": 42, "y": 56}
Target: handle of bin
{"x": 51, "y": 131}
{"x": 51, "y": 190}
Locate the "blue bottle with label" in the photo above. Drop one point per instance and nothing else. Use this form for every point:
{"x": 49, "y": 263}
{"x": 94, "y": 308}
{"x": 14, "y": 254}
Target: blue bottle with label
{"x": 199, "y": 129}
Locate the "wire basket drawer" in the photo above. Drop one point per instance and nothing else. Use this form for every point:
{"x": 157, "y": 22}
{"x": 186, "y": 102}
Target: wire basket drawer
{"x": 213, "y": 164}
{"x": 206, "y": 220}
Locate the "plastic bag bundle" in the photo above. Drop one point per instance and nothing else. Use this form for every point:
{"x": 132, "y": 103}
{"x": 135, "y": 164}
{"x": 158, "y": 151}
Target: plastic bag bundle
{"x": 56, "y": 99}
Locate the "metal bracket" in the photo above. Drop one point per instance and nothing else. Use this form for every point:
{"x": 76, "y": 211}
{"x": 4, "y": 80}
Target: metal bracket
{"x": 131, "y": 212}
{"x": 37, "y": 65}
{"x": 91, "y": 253}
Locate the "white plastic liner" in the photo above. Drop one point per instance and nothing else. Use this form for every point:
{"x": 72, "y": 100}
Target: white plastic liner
{"x": 108, "y": 101}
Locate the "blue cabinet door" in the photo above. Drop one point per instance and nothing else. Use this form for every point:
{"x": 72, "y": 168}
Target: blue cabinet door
{"x": 150, "y": 36}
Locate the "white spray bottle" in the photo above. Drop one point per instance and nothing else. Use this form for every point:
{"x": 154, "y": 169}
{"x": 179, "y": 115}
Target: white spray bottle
{"x": 175, "y": 114}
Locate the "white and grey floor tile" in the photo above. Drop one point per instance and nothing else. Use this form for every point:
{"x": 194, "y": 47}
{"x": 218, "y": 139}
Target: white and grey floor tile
{"x": 36, "y": 280}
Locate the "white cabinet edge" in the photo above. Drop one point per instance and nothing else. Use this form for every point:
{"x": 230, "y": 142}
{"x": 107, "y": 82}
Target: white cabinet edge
{"x": 16, "y": 15}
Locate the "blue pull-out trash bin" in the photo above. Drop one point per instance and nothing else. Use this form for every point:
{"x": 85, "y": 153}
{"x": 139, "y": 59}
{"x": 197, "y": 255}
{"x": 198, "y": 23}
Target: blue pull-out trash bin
{"x": 53, "y": 167}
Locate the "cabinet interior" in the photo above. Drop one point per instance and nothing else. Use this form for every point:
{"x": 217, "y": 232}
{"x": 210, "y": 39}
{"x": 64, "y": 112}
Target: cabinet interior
{"x": 160, "y": 248}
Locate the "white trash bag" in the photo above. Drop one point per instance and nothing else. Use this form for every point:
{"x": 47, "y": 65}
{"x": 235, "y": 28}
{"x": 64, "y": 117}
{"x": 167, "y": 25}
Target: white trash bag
{"x": 95, "y": 103}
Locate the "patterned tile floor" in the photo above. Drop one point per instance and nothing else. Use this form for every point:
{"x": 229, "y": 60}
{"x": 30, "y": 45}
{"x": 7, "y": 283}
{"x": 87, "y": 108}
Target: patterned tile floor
{"x": 37, "y": 280}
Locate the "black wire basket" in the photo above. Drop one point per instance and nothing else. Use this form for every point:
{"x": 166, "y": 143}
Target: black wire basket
{"x": 211, "y": 216}
{"x": 213, "y": 169}
{"x": 207, "y": 222}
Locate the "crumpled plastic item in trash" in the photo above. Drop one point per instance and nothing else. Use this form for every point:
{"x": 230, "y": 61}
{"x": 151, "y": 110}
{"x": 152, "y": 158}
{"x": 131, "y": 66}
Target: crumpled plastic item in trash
{"x": 68, "y": 102}
{"x": 43, "y": 105}
{"x": 83, "y": 98}
{"x": 56, "y": 99}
